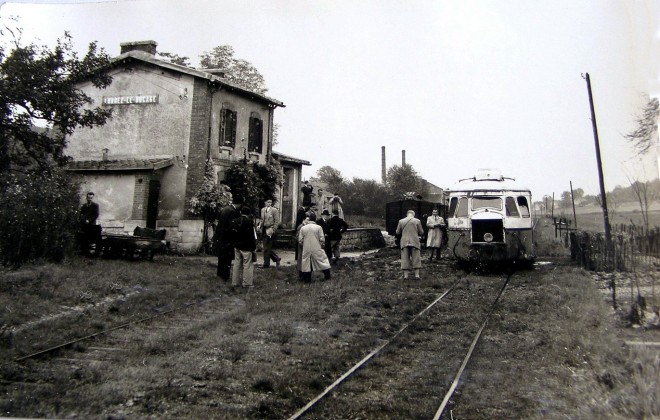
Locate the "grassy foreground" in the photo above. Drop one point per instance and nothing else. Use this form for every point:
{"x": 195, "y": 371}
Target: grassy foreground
{"x": 553, "y": 349}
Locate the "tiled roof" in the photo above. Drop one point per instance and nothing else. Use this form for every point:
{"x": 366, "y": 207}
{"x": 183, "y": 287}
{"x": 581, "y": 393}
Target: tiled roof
{"x": 120, "y": 164}
{"x": 149, "y": 58}
{"x": 286, "y": 158}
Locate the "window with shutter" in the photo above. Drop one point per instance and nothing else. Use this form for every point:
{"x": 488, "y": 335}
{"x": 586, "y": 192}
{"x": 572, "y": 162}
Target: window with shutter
{"x": 255, "y": 137}
{"x": 228, "y": 128}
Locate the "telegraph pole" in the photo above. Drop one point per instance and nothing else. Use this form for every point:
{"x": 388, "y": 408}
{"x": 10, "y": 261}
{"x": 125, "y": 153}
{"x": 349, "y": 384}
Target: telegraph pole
{"x": 606, "y": 217}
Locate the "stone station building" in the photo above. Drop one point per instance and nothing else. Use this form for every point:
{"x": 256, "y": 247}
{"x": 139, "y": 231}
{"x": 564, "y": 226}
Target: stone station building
{"x": 148, "y": 161}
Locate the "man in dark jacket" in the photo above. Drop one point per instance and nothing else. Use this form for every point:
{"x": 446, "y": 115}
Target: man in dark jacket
{"x": 90, "y": 233}
{"x": 337, "y": 227}
{"x": 224, "y": 240}
{"x": 324, "y": 223}
{"x": 244, "y": 237}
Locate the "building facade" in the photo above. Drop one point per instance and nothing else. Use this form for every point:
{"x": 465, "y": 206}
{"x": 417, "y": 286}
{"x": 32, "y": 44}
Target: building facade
{"x": 149, "y": 159}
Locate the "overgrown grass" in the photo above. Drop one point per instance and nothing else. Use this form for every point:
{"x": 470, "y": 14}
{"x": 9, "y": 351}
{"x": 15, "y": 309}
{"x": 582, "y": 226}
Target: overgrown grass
{"x": 549, "y": 351}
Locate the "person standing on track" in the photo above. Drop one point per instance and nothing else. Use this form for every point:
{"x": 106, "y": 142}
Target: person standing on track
{"x": 409, "y": 229}
{"x": 434, "y": 241}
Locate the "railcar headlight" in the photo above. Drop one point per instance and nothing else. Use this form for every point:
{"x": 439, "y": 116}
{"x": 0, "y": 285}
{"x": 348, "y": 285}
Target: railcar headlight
{"x": 488, "y": 237}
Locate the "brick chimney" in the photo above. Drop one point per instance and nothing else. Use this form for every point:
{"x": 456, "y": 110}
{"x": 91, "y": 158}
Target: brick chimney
{"x": 145, "y": 46}
{"x": 383, "y": 168}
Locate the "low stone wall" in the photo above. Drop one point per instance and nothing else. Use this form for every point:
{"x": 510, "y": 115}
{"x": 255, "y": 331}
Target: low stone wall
{"x": 363, "y": 239}
{"x": 183, "y": 236}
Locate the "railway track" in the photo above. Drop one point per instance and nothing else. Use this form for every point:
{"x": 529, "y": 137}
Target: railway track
{"x": 399, "y": 344}
{"x": 410, "y": 364}
{"x": 112, "y": 344}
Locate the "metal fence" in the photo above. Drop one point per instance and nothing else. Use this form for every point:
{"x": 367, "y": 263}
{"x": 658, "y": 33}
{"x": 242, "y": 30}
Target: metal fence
{"x": 632, "y": 247}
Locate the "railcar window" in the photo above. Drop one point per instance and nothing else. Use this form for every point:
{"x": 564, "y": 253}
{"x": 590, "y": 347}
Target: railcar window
{"x": 511, "y": 208}
{"x": 486, "y": 202}
{"x": 452, "y": 206}
{"x": 524, "y": 207}
{"x": 462, "y": 210}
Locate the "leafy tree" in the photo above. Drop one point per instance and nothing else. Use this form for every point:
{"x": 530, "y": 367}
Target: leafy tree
{"x": 174, "y": 58}
{"x": 238, "y": 71}
{"x": 402, "y": 180}
{"x": 38, "y": 86}
{"x": 330, "y": 177}
{"x": 365, "y": 197}
{"x": 644, "y": 137}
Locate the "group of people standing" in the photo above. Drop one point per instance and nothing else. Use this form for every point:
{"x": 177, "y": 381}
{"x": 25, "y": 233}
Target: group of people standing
{"x": 319, "y": 238}
{"x": 236, "y": 240}
{"x": 409, "y": 230}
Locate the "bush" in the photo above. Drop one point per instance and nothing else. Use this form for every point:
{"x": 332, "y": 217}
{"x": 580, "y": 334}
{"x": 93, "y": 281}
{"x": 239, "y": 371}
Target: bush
{"x": 38, "y": 216}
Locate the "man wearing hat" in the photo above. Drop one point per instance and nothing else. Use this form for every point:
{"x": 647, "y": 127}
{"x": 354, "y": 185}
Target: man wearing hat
{"x": 337, "y": 227}
{"x": 323, "y": 222}
{"x": 307, "y": 190}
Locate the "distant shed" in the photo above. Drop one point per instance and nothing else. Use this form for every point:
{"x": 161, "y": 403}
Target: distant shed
{"x": 396, "y": 210}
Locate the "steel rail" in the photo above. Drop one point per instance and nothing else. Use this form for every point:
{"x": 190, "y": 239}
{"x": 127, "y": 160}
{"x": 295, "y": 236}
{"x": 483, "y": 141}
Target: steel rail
{"x": 454, "y": 384}
{"x": 117, "y": 327}
{"x": 373, "y": 353}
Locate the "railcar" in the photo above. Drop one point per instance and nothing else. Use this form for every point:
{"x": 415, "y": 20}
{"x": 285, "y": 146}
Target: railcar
{"x": 489, "y": 220}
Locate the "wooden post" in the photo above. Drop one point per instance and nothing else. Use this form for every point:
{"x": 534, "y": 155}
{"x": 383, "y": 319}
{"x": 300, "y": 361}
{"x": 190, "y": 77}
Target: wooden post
{"x": 573, "y": 201}
{"x": 606, "y": 218}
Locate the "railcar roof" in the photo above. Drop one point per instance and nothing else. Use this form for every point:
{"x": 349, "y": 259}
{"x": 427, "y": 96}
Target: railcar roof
{"x": 487, "y": 186}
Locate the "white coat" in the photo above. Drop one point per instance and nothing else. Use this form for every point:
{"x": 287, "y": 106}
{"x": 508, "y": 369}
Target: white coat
{"x": 314, "y": 258}
{"x": 434, "y": 224}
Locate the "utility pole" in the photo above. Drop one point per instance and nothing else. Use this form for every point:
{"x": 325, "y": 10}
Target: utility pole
{"x": 606, "y": 217}
{"x": 573, "y": 202}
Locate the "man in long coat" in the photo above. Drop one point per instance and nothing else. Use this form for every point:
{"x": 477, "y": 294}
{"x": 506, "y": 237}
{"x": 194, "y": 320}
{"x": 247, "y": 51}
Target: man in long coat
{"x": 312, "y": 238}
{"x": 409, "y": 230}
{"x": 434, "y": 223}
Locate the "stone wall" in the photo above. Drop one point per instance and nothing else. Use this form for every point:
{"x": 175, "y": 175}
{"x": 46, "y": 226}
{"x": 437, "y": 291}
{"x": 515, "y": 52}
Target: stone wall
{"x": 362, "y": 239}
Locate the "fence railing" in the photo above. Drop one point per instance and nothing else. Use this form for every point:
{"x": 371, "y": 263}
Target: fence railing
{"x": 632, "y": 247}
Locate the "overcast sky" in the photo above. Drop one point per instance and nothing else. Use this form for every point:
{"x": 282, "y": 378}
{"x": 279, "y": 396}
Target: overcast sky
{"x": 460, "y": 85}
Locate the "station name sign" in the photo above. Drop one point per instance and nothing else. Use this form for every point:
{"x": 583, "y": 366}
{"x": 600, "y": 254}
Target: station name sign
{"x": 128, "y": 100}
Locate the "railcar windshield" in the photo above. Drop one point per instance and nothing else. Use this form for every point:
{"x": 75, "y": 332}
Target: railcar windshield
{"x": 458, "y": 207}
{"x": 524, "y": 207}
{"x": 511, "y": 208}
{"x": 486, "y": 203}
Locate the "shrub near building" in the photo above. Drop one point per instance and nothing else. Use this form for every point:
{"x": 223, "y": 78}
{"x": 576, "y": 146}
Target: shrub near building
{"x": 38, "y": 216}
